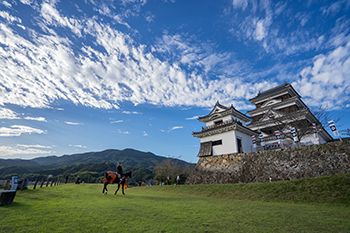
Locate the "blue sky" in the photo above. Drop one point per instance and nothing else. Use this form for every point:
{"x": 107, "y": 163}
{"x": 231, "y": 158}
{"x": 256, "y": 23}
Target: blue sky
{"x": 91, "y": 75}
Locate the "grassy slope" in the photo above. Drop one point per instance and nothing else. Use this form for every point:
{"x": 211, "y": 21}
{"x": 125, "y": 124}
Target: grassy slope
{"x": 314, "y": 205}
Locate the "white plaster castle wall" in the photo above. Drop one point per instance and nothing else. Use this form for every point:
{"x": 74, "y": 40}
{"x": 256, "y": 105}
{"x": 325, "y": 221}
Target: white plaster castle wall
{"x": 310, "y": 139}
{"x": 313, "y": 139}
{"x": 247, "y": 144}
{"x": 228, "y": 143}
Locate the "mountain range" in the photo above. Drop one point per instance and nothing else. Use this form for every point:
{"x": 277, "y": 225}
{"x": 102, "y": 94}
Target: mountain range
{"x": 88, "y": 166}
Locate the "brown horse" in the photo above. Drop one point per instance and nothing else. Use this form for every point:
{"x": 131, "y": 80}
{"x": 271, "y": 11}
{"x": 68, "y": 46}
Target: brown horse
{"x": 112, "y": 177}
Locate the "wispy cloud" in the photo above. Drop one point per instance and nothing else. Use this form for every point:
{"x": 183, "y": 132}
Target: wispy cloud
{"x": 34, "y": 146}
{"x": 82, "y": 76}
{"x": 9, "y": 17}
{"x": 175, "y": 127}
{"x": 172, "y": 129}
{"x": 42, "y": 119}
{"x": 145, "y": 134}
{"x": 6, "y": 113}
{"x": 80, "y": 72}
{"x": 72, "y": 123}
{"x": 192, "y": 118}
{"x": 122, "y": 132}
{"x": 18, "y": 130}
{"x": 53, "y": 17}
{"x": 240, "y": 4}
{"x": 117, "y": 121}
{"x": 132, "y": 112}
{"x": 149, "y": 18}
{"x": 7, "y": 4}
{"x": 335, "y": 7}
{"x": 78, "y": 146}
{"x": 24, "y": 150}
{"x": 326, "y": 81}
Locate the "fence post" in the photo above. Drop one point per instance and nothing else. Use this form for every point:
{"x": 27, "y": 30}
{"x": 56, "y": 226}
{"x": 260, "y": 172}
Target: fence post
{"x": 42, "y": 182}
{"x": 23, "y": 185}
{"x": 36, "y": 182}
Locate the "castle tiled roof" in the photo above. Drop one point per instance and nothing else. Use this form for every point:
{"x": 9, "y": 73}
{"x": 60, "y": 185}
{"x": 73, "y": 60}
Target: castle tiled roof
{"x": 274, "y": 90}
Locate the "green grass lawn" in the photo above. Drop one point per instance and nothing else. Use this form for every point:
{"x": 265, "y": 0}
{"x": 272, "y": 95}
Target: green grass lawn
{"x": 313, "y": 205}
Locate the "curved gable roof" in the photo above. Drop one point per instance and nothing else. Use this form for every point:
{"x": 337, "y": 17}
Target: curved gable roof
{"x": 225, "y": 111}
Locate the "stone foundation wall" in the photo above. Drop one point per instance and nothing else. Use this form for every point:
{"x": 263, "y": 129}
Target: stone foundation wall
{"x": 317, "y": 160}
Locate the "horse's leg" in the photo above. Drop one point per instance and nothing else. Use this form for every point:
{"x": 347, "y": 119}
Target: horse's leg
{"x": 123, "y": 188}
{"x": 105, "y": 188}
{"x": 116, "y": 191}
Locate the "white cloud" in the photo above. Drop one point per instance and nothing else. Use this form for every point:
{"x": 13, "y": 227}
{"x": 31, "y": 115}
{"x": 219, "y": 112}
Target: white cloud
{"x": 149, "y": 18}
{"x": 9, "y": 17}
{"x": 18, "y": 130}
{"x": 122, "y": 132}
{"x": 176, "y": 127}
{"x": 192, "y": 118}
{"x": 99, "y": 79}
{"x": 72, "y": 123}
{"x": 242, "y": 4}
{"x": 263, "y": 22}
{"x": 115, "y": 68}
{"x": 78, "y": 146}
{"x": 172, "y": 129}
{"x": 335, "y": 7}
{"x": 53, "y": 17}
{"x": 42, "y": 119}
{"x": 34, "y": 146}
{"x": 131, "y": 112}
{"x": 22, "y": 150}
{"x": 184, "y": 50}
{"x": 7, "y": 4}
{"x": 27, "y": 2}
{"x": 117, "y": 121}
{"x": 326, "y": 81}
{"x": 145, "y": 134}
{"x": 260, "y": 31}
{"x": 6, "y": 113}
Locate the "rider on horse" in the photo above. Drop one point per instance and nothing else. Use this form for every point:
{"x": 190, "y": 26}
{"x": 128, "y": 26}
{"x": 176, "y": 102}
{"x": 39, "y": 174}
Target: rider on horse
{"x": 119, "y": 170}
{"x": 118, "y": 177}
{"x": 121, "y": 178}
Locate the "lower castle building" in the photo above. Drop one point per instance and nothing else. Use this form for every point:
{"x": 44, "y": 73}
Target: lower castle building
{"x": 224, "y": 132}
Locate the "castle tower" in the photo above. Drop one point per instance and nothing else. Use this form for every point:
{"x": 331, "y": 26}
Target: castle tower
{"x": 224, "y": 132}
{"x": 279, "y": 113}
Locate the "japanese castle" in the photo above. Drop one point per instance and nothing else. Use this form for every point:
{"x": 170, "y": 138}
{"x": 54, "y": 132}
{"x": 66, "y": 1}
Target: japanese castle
{"x": 280, "y": 120}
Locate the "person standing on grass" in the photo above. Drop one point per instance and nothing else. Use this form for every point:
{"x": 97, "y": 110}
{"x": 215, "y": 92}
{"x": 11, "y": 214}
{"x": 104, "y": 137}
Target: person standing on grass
{"x": 178, "y": 180}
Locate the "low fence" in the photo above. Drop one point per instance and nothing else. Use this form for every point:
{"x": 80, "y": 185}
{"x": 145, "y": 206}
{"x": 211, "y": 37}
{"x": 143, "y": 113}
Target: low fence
{"x": 7, "y": 195}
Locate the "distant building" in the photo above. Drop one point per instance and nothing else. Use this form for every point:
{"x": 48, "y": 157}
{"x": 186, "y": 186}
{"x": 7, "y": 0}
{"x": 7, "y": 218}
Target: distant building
{"x": 280, "y": 111}
{"x": 224, "y": 132}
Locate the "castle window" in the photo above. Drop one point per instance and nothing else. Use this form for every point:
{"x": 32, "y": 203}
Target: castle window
{"x": 218, "y": 122}
{"x": 216, "y": 143}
